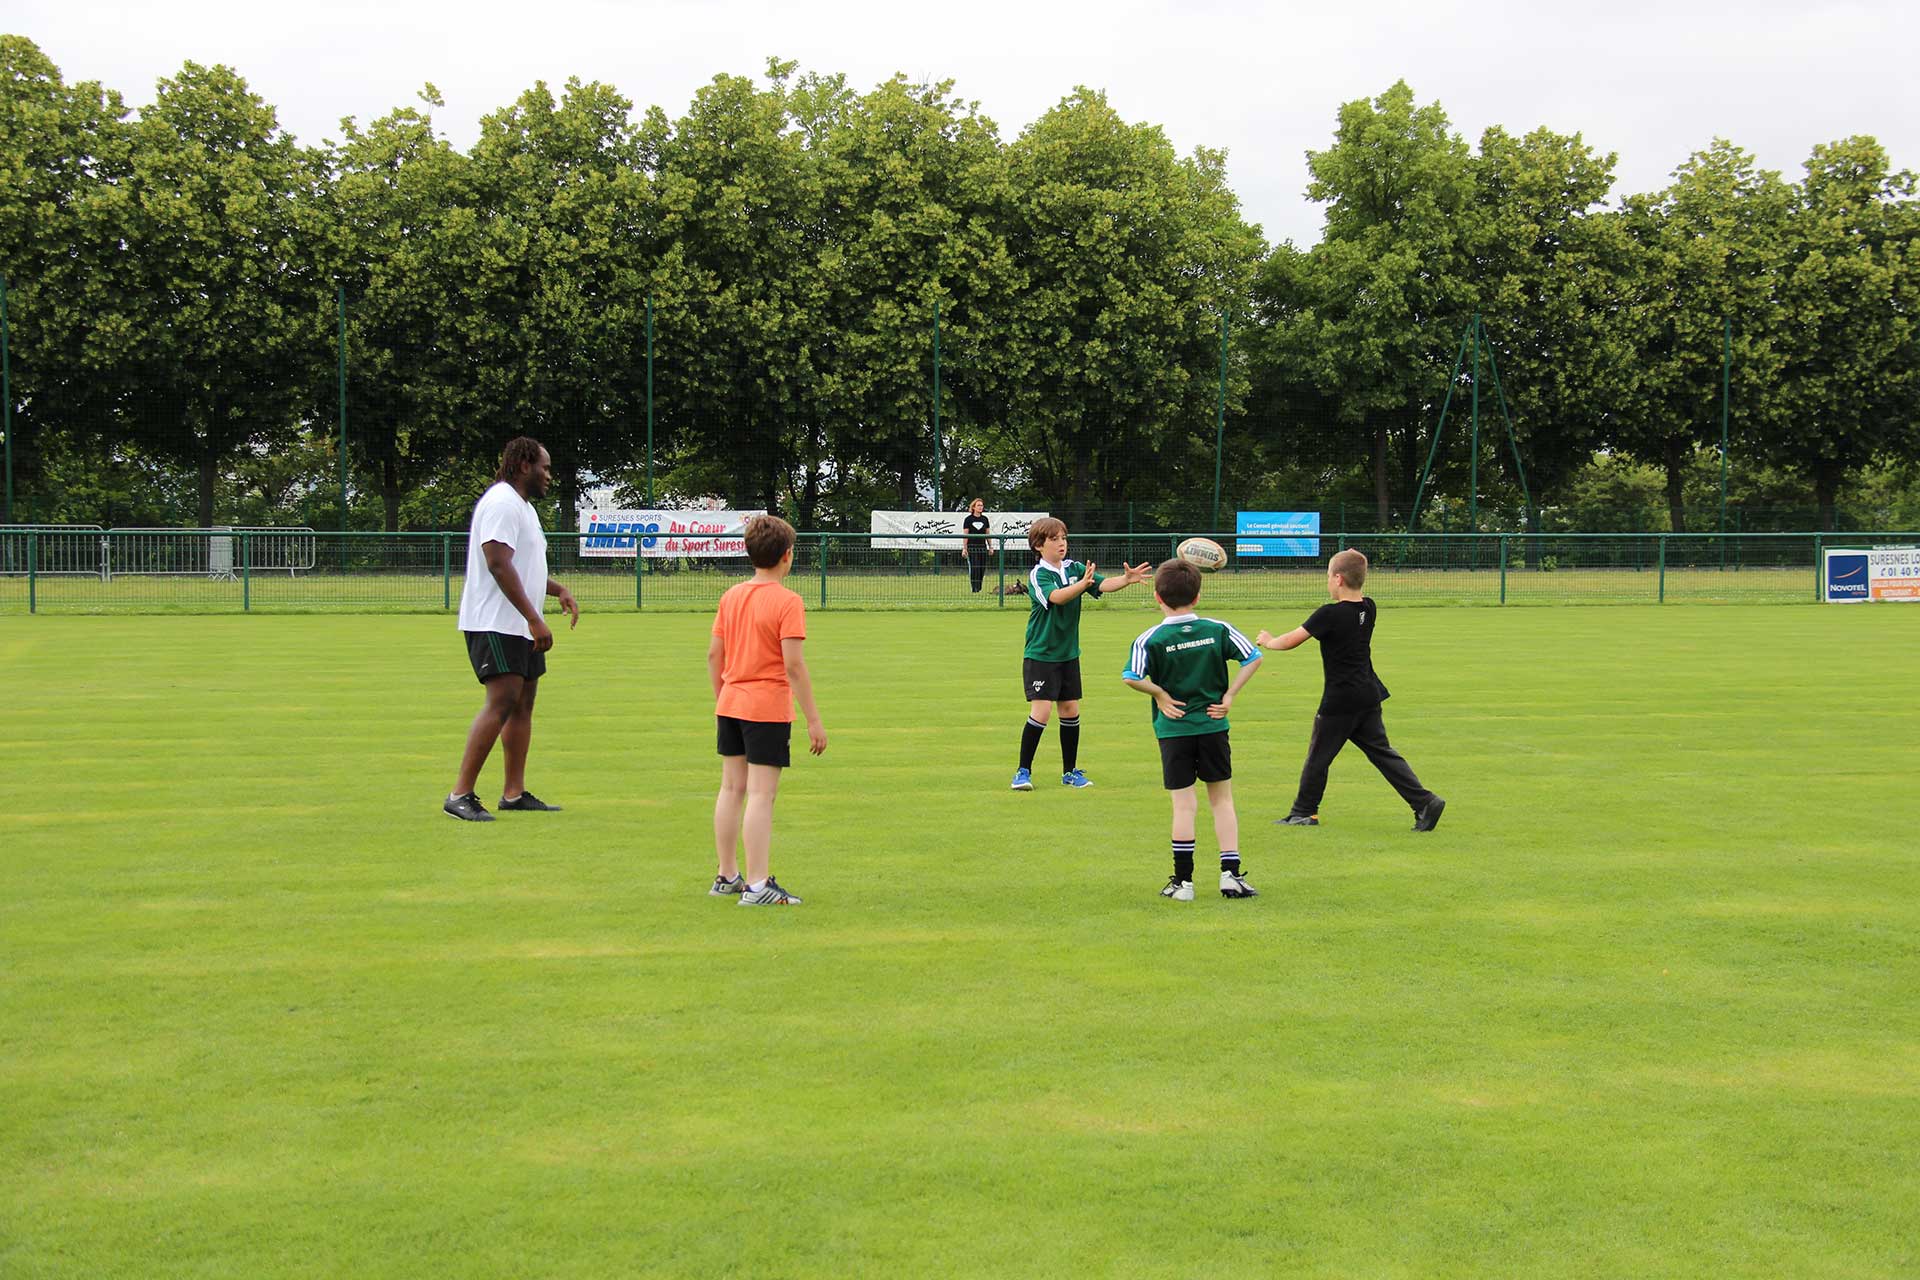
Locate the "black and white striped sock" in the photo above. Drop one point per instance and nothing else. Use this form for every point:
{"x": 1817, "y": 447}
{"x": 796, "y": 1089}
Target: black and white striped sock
{"x": 1230, "y": 860}
{"x": 1069, "y": 743}
{"x": 1183, "y": 860}
{"x": 1030, "y": 741}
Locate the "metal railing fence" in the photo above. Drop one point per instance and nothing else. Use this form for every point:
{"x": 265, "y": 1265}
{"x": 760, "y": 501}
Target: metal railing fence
{"x": 69, "y": 570}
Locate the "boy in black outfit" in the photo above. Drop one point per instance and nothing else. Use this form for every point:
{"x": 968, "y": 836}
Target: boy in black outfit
{"x": 1350, "y": 704}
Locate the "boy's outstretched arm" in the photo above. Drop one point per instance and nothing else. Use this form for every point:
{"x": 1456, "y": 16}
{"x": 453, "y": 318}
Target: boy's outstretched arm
{"x": 1169, "y": 708}
{"x": 1292, "y": 640}
{"x": 1248, "y": 669}
{"x": 802, "y": 681}
{"x": 1120, "y": 581}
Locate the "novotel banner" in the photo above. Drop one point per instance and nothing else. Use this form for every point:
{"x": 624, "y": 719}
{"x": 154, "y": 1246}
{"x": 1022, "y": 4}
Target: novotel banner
{"x": 1857, "y": 575}
{"x": 909, "y": 530}
{"x": 659, "y": 534}
{"x": 1277, "y": 533}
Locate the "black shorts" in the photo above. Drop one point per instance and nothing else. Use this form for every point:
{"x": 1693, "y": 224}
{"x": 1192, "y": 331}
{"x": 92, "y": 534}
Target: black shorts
{"x": 1050, "y": 681}
{"x": 496, "y": 654}
{"x": 760, "y": 741}
{"x": 1206, "y": 756}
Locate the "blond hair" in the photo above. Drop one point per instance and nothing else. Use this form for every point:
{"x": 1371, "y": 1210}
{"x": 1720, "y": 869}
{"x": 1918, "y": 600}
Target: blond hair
{"x": 1351, "y": 565}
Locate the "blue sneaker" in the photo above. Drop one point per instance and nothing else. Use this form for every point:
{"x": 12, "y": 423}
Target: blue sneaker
{"x": 1075, "y": 778}
{"x": 1023, "y": 779}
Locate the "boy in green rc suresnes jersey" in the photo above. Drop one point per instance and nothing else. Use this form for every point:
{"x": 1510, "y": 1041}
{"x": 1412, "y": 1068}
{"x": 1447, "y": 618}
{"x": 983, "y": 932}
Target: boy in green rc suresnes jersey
{"x": 1181, "y": 663}
{"x": 1050, "y": 672}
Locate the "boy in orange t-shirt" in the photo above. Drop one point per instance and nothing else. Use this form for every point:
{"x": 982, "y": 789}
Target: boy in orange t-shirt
{"x": 758, "y": 673}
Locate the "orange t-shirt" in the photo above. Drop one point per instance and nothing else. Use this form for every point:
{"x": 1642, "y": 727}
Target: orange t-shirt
{"x": 754, "y": 618}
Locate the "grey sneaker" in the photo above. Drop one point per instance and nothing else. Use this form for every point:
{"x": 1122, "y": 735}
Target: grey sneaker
{"x": 770, "y": 896}
{"x": 723, "y": 886}
{"x": 1298, "y": 820}
{"x": 1233, "y": 886}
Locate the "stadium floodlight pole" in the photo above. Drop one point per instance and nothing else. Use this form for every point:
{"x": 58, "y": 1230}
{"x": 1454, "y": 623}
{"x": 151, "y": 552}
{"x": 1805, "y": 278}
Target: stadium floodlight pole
{"x": 937, "y": 444}
{"x": 341, "y": 296}
{"x": 1439, "y": 429}
{"x": 1473, "y": 468}
{"x": 6, "y": 396}
{"x": 649, "y": 401}
{"x": 1220, "y": 420}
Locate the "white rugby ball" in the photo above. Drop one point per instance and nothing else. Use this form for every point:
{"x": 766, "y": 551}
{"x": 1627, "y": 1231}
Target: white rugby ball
{"x": 1204, "y": 554}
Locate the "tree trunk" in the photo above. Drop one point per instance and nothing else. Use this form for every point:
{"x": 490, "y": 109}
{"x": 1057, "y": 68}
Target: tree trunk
{"x": 209, "y": 472}
{"x": 1826, "y": 488}
{"x": 1676, "y": 479}
{"x": 567, "y": 482}
{"x": 1382, "y": 505}
{"x": 390, "y": 492}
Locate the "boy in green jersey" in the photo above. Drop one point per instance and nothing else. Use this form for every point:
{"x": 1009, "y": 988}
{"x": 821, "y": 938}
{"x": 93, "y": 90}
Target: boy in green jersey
{"x": 1181, "y": 663}
{"x": 1051, "y": 670}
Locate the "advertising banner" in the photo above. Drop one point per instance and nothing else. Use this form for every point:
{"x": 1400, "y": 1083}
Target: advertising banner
{"x": 662, "y": 534}
{"x": 909, "y": 530}
{"x": 1277, "y": 533}
{"x": 1857, "y": 575}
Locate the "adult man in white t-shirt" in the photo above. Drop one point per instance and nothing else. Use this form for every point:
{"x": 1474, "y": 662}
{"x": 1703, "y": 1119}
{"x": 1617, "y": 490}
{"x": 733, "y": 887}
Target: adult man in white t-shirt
{"x": 507, "y": 639}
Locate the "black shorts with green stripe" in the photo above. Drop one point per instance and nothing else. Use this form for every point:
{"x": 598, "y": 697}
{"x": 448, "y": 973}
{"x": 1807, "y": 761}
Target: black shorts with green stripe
{"x": 495, "y": 654}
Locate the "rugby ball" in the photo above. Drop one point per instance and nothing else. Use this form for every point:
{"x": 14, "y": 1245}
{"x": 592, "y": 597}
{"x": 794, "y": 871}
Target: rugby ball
{"x": 1204, "y": 554}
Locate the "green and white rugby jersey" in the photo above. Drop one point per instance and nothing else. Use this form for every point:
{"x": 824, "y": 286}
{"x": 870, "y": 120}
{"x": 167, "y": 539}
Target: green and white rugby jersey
{"x": 1053, "y": 630}
{"x": 1187, "y": 655}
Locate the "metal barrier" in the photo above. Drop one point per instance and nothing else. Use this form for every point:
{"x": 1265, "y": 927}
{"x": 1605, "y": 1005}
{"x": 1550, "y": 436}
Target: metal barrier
{"x": 59, "y": 550}
{"x": 299, "y": 570}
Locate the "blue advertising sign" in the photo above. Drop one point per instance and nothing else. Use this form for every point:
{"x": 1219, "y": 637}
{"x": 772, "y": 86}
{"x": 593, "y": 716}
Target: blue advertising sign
{"x": 1277, "y": 533}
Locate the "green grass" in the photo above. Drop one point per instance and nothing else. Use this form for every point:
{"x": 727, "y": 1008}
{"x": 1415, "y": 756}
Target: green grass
{"x": 404, "y": 591}
{"x": 1643, "y": 1005}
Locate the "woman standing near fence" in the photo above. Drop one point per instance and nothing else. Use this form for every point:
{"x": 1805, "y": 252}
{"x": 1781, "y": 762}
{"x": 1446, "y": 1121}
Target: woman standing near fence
{"x": 977, "y": 527}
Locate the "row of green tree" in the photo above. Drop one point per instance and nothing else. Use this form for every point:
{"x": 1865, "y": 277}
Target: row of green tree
{"x": 755, "y": 287}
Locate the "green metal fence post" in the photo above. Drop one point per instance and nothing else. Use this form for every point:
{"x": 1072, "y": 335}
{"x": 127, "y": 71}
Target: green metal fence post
{"x": 639, "y": 563}
{"x": 246, "y": 573}
{"x": 1503, "y": 569}
{"x": 636, "y": 549}
{"x": 341, "y": 295}
{"x": 1220, "y": 422}
{"x": 446, "y": 571}
{"x": 820, "y": 549}
{"x": 6, "y": 397}
{"x": 33, "y": 577}
{"x": 1819, "y": 565}
{"x": 1003, "y": 571}
{"x": 936, "y": 413}
{"x": 1663, "y": 570}
{"x": 1726, "y": 398}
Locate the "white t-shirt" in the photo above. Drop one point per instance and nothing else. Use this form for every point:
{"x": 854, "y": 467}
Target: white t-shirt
{"x": 502, "y": 515}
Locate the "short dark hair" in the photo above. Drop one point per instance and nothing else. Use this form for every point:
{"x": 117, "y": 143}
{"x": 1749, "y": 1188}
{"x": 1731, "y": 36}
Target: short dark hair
{"x": 1042, "y": 529}
{"x": 768, "y": 538}
{"x": 521, "y": 451}
{"x": 1351, "y": 565}
{"x": 1177, "y": 583}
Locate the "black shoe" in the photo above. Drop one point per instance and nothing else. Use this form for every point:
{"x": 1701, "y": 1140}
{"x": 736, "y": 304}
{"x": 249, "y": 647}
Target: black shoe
{"x": 527, "y": 802}
{"x": 1298, "y": 820}
{"x": 1429, "y": 818}
{"x": 467, "y": 808}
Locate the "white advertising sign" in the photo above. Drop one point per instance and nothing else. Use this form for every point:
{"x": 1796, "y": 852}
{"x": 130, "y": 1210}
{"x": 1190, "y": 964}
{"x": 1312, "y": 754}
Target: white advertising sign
{"x": 1857, "y": 575}
{"x": 661, "y": 534}
{"x": 909, "y": 530}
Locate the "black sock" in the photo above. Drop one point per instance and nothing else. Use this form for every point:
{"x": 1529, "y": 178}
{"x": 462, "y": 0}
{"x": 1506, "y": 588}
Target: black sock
{"x": 1183, "y": 861}
{"x": 1030, "y": 742}
{"x": 1230, "y": 860}
{"x": 1069, "y": 743}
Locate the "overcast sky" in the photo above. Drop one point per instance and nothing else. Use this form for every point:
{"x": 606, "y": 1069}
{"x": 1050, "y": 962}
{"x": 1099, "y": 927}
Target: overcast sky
{"x": 1650, "y": 81}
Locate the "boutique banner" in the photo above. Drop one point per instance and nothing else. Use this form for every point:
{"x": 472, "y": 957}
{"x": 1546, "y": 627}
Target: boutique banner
{"x": 909, "y": 530}
{"x": 662, "y": 534}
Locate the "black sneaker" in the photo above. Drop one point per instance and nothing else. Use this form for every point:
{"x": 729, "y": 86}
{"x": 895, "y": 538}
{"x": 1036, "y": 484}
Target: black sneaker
{"x": 467, "y": 808}
{"x": 1298, "y": 820}
{"x": 1429, "y": 818}
{"x": 527, "y": 802}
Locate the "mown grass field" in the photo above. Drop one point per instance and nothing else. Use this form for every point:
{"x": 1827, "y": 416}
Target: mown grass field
{"x": 1643, "y": 1005}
